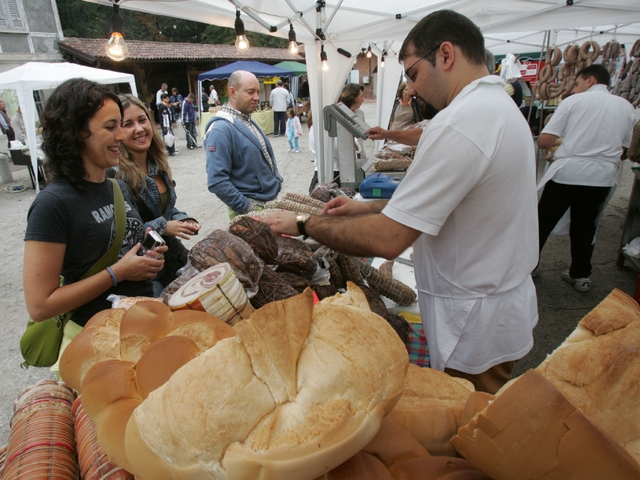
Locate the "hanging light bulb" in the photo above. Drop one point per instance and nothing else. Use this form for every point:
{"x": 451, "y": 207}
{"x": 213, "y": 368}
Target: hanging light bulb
{"x": 382, "y": 61}
{"x": 323, "y": 59}
{"x": 242, "y": 43}
{"x": 293, "y": 46}
{"x": 116, "y": 48}
{"x": 369, "y": 52}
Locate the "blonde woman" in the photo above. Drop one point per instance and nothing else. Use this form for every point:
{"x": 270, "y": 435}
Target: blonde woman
{"x": 145, "y": 169}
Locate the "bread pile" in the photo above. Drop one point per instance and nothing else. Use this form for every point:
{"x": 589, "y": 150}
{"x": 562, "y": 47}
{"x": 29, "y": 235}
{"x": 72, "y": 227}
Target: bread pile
{"x": 290, "y": 393}
{"x": 577, "y": 415}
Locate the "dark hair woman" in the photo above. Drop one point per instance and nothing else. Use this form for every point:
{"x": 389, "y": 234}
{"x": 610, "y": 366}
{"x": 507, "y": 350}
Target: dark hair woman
{"x": 145, "y": 169}
{"x": 352, "y": 96}
{"x": 71, "y": 223}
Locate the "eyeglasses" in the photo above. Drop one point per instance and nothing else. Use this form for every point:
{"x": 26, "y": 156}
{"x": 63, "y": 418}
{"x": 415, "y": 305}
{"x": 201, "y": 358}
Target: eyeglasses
{"x": 406, "y": 72}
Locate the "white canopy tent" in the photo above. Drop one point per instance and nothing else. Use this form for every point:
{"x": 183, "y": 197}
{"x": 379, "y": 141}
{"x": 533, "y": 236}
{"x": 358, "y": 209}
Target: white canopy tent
{"x": 43, "y": 76}
{"x": 510, "y": 26}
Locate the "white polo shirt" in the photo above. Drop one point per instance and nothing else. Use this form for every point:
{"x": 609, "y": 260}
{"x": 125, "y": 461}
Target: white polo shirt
{"x": 594, "y": 125}
{"x": 471, "y": 191}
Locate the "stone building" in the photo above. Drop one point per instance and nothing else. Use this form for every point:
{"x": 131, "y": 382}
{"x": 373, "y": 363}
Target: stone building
{"x": 29, "y": 32}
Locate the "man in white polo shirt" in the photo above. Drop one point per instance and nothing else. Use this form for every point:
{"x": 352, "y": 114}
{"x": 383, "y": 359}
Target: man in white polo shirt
{"x": 467, "y": 205}
{"x": 595, "y": 127}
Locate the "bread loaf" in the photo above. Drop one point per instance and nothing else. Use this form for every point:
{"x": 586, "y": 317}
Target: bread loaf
{"x": 532, "y": 431}
{"x": 598, "y": 366}
{"x": 290, "y": 393}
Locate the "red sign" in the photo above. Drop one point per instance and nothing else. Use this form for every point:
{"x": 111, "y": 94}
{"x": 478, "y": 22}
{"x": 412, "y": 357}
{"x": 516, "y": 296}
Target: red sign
{"x": 529, "y": 69}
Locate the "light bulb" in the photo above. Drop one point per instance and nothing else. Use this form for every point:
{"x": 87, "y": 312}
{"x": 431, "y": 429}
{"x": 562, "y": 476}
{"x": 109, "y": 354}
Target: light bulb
{"x": 242, "y": 43}
{"x": 293, "y": 45}
{"x": 369, "y": 52}
{"x": 323, "y": 59}
{"x": 116, "y": 47}
{"x": 382, "y": 62}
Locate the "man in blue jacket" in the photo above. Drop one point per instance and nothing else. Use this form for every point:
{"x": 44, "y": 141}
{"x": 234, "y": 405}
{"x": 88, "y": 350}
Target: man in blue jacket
{"x": 241, "y": 166}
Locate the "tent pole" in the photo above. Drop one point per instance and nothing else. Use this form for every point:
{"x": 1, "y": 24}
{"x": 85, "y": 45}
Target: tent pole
{"x": 535, "y": 81}
{"x": 321, "y": 161}
{"x": 542, "y": 102}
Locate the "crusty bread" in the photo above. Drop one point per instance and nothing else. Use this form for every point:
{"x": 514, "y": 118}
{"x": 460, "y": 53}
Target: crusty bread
{"x": 431, "y": 407}
{"x": 598, "y": 369}
{"x": 532, "y": 431}
{"x": 438, "y": 468}
{"x": 293, "y": 392}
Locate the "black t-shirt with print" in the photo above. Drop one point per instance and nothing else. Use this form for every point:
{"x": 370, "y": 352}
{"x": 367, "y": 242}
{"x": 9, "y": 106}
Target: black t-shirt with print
{"x": 83, "y": 221}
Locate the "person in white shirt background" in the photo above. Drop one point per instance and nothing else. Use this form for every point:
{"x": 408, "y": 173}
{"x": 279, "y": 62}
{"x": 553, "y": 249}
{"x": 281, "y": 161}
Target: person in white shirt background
{"x": 595, "y": 127}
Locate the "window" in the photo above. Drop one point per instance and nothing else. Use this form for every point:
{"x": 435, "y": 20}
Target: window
{"x": 11, "y": 17}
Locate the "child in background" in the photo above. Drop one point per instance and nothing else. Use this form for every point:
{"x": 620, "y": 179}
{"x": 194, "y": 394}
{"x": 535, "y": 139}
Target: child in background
{"x": 294, "y": 130}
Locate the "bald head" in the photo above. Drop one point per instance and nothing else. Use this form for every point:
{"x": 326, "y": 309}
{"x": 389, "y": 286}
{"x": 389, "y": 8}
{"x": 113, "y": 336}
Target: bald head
{"x": 244, "y": 91}
{"x": 240, "y": 77}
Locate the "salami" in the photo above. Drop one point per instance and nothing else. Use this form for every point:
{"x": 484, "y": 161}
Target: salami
{"x": 216, "y": 291}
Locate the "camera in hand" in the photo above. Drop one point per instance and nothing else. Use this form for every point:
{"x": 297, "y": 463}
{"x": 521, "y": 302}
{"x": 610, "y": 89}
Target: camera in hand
{"x": 151, "y": 241}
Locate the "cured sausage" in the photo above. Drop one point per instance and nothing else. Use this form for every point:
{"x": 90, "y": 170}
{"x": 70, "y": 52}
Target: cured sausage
{"x": 585, "y": 53}
{"x": 547, "y": 74}
{"x": 554, "y": 55}
{"x": 571, "y": 54}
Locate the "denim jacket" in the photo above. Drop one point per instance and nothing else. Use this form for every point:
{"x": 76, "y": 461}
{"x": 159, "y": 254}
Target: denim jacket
{"x": 151, "y": 197}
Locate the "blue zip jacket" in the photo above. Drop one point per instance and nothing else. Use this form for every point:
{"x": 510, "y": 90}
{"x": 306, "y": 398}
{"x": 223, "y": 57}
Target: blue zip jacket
{"x": 237, "y": 169}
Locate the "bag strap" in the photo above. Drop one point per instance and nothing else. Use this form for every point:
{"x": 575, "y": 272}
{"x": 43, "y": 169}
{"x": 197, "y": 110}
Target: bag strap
{"x": 110, "y": 257}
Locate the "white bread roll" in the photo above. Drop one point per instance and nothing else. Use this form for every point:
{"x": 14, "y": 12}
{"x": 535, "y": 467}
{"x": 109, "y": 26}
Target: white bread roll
{"x": 187, "y": 424}
{"x": 431, "y": 407}
{"x": 532, "y": 431}
{"x": 598, "y": 369}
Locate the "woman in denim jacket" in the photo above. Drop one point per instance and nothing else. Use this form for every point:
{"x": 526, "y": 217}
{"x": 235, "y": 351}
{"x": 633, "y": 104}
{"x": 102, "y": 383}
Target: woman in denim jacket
{"x": 144, "y": 167}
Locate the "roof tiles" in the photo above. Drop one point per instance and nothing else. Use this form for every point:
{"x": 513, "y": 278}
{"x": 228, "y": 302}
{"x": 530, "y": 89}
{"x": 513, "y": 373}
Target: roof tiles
{"x": 157, "y": 51}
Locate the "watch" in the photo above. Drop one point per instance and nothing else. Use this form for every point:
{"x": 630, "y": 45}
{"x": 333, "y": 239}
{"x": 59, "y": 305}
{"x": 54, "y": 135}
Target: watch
{"x": 301, "y": 219}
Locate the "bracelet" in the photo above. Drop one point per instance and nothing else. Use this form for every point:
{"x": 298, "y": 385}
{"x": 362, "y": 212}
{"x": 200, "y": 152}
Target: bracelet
{"x": 112, "y": 275}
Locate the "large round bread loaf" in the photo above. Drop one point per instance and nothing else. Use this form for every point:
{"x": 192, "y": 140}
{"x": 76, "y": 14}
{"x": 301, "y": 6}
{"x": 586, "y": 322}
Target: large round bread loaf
{"x": 290, "y": 393}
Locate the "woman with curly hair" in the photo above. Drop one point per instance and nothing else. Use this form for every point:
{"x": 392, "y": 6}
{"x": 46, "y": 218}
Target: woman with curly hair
{"x": 71, "y": 223}
{"x": 145, "y": 169}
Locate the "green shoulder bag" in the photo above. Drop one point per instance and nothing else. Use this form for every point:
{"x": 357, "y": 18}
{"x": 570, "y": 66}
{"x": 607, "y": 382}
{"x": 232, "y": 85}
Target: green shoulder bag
{"x": 40, "y": 343}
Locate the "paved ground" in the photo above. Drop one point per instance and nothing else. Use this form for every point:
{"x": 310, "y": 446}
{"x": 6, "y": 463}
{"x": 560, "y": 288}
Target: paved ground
{"x": 560, "y": 306}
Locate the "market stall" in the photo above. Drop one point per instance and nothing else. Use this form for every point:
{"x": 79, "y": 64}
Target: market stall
{"x": 286, "y": 385}
{"x": 260, "y": 70}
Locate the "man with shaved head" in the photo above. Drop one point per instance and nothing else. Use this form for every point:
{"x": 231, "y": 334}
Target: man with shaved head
{"x": 241, "y": 166}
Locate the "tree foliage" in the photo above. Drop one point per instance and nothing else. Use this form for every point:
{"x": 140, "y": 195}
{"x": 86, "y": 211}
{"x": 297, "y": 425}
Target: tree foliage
{"x": 89, "y": 20}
